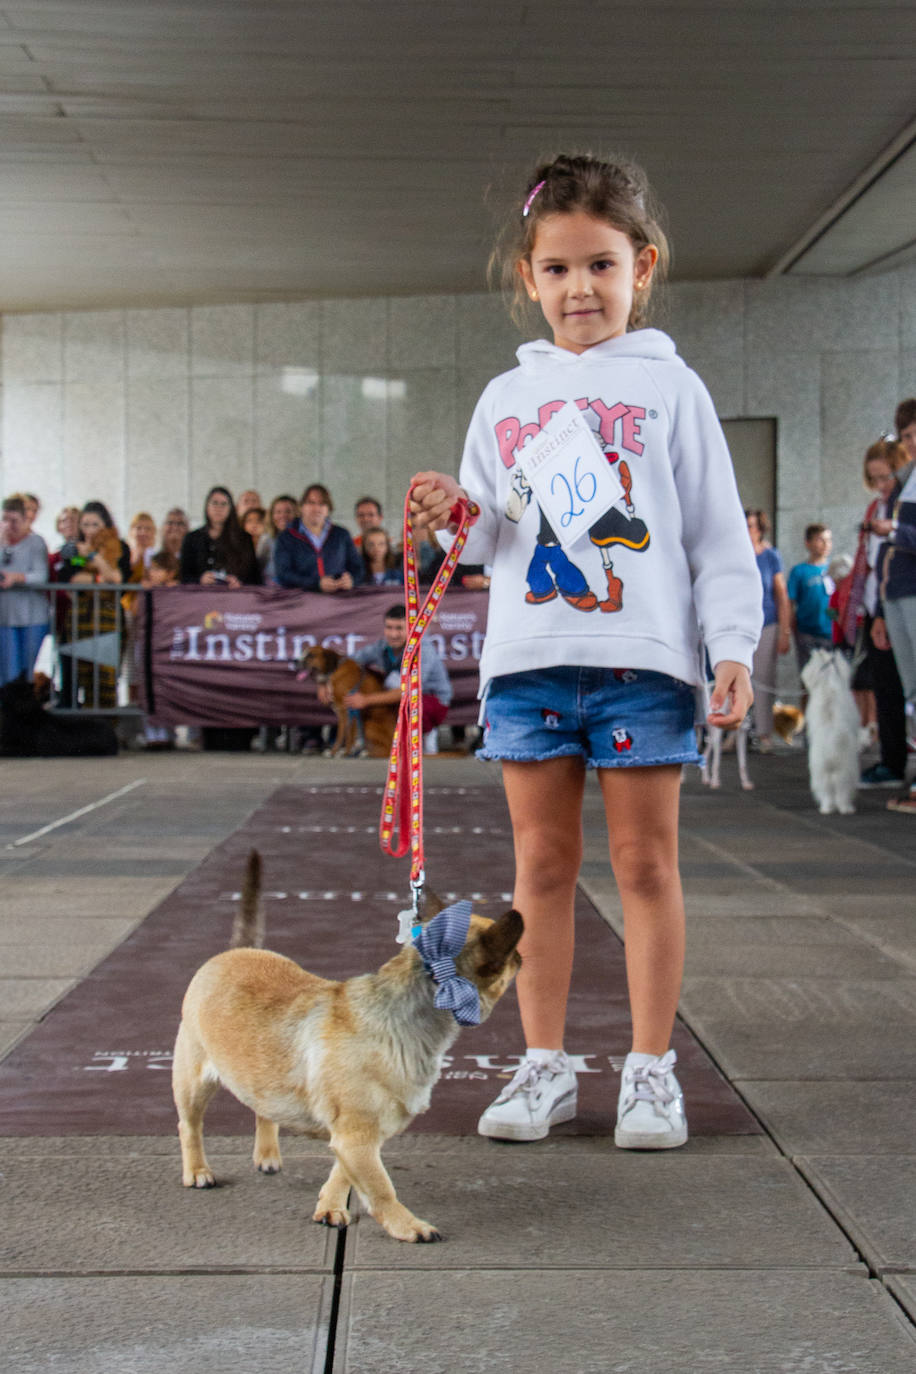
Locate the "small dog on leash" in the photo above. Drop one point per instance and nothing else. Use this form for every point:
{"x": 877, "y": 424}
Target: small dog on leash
{"x": 832, "y": 721}
{"x": 788, "y": 721}
{"x": 710, "y": 770}
{"x": 367, "y": 732}
{"x": 353, "y": 1062}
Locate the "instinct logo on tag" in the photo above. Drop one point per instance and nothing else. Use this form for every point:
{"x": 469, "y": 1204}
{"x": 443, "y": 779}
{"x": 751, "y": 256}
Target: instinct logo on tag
{"x": 569, "y": 474}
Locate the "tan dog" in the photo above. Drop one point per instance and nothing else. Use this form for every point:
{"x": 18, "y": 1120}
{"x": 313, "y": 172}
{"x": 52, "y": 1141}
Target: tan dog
{"x": 369, "y": 731}
{"x": 351, "y": 1061}
{"x": 788, "y": 721}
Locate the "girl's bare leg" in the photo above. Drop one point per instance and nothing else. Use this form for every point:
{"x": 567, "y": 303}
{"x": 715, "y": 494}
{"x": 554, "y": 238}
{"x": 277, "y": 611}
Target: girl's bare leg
{"x": 545, "y": 804}
{"x": 642, "y": 816}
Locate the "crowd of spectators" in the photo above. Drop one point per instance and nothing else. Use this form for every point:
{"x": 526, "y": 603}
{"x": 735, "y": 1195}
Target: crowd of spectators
{"x": 865, "y": 605}
{"x": 246, "y": 542}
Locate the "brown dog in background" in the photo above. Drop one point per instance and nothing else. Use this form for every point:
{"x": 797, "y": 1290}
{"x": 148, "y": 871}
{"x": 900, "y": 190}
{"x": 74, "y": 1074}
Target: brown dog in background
{"x": 369, "y": 731}
{"x": 353, "y": 1062}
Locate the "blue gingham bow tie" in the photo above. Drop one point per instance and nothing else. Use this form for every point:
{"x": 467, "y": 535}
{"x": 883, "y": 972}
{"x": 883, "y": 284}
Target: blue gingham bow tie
{"x": 437, "y": 944}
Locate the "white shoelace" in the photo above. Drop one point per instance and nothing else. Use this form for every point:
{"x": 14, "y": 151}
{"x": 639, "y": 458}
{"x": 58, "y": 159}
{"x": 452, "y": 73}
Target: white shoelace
{"x": 648, "y": 1082}
{"x": 528, "y": 1075}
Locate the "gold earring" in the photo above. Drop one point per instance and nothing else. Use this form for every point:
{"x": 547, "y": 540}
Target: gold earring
{"x": 535, "y": 296}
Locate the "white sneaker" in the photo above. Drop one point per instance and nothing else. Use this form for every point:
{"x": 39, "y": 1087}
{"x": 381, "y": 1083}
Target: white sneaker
{"x": 650, "y": 1109}
{"x": 539, "y": 1096}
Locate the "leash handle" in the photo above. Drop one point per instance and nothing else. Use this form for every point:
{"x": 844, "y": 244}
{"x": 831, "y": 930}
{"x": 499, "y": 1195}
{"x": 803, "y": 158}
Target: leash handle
{"x": 401, "y": 824}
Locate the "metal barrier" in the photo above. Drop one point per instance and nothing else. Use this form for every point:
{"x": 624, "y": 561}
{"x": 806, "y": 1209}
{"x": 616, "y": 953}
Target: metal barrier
{"x": 92, "y": 655}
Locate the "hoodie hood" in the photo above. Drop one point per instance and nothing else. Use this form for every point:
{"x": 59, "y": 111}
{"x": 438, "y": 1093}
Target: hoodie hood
{"x": 640, "y": 343}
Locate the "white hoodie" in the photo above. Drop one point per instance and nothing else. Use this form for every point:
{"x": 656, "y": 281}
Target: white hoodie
{"x": 681, "y": 547}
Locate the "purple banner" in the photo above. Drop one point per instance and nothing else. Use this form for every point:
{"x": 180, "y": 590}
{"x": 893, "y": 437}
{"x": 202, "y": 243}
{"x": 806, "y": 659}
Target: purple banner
{"x": 211, "y": 656}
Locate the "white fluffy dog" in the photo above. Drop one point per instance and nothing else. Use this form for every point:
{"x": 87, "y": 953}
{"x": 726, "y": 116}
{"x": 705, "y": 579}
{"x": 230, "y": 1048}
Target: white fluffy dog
{"x": 832, "y": 722}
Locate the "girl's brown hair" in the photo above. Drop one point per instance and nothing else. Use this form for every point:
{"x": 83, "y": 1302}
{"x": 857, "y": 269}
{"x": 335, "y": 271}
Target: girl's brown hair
{"x": 616, "y": 191}
{"x": 889, "y": 451}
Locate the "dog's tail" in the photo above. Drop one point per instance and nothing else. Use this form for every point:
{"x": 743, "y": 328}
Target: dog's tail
{"x": 248, "y": 926}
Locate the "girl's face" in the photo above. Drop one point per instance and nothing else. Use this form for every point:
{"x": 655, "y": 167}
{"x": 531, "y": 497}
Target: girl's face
{"x": 282, "y": 513}
{"x": 880, "y": 476}
{"x": 218, "y": 507}
{"x": 90, "y": 524}
{"x": 31, "y": 510}
{"x": 584, "y": 273}
{"x": 376, "y": 546}
{"x": 143, "y": 534}
{"x": 753, "y": 529}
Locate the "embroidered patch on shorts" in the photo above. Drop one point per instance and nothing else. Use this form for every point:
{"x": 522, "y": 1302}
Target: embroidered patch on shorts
{"x": 623, "y": 740}
{"x": 626, "y": 675}
{"x": 550, "y": 718}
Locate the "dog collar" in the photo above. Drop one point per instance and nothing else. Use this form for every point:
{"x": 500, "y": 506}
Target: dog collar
{"x": 438, "y": 944}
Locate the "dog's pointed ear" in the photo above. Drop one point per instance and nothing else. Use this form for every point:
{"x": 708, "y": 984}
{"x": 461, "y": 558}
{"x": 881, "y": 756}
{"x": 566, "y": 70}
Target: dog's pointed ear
{"x": 430, "y": 905}
{"x": 498, "y": 941}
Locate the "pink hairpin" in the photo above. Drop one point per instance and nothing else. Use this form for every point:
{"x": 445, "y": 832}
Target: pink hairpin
{"x": 528, "y": 202}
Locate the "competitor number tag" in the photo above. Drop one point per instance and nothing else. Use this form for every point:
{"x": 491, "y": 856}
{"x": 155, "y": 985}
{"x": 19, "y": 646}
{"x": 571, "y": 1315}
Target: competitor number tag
{"x": 570, "y": 476}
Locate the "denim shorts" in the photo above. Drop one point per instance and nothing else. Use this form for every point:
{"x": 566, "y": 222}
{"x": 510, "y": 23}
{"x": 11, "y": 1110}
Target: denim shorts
{"x": 612, "y": 717}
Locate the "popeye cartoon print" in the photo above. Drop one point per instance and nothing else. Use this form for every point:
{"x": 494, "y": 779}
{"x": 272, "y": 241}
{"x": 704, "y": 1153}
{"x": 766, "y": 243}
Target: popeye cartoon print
{"x": 619, "y": 525}
{"x": 551, "y": 572}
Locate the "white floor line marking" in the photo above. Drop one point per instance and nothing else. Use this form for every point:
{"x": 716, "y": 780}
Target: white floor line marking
{"x": 75, "y": 815}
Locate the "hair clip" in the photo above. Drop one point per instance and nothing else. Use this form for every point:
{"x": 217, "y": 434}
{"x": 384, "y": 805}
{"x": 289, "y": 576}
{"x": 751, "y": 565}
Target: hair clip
{"x": 531, "y": 197}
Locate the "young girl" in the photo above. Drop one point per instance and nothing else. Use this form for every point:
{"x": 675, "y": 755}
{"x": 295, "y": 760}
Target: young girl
{"x": 593, "y": 654}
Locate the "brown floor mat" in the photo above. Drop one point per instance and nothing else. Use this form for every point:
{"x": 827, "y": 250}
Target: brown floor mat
{"x": 99, "y": 1062}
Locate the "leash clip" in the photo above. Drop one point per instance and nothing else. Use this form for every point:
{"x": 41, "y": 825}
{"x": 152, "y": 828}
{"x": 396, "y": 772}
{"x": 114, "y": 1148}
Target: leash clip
{"x": 409, "y": 920}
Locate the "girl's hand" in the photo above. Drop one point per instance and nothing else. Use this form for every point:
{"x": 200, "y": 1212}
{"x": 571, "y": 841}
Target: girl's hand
{"x": 732, "y": 695}
{"x": 785, "y": 642}
{"x": 882, "y": 527}
{"x": 207, "y": 579}
{"x": 432, "y": 495}
{"x": 879, "y": 633}
{"x": 233, "y": 582}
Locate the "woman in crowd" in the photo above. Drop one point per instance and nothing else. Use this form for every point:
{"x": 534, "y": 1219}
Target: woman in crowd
{"x": 141, "y": 536}
{"x": 219, "y": 552}
{"x": 23, "y": 609}
{"x": 283, "y": 511}
{"x": 101, "y": 556}
{"x": 382, "y": 565}
{"x": 312, "y": 553}
{"x": 776, "y": 637}
{"x": 174, "y": 528}
{"x": 854, "y": 630}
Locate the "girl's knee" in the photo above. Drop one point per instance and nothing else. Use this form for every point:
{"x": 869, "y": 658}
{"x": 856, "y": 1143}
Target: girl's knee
{"x": 547, "y": 862}
{"x": 645, "y": 871}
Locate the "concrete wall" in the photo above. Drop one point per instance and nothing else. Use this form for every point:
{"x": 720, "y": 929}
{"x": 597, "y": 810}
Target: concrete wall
{"x": 147, "y": 408}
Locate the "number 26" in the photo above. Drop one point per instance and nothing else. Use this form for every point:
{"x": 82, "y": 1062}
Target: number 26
{"x": 580, "y": 481}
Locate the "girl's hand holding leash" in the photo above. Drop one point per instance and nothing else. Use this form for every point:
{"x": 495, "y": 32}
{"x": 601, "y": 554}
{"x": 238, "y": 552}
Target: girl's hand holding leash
{"x": 432, "y": 496}
{"x": 732, "y": 695}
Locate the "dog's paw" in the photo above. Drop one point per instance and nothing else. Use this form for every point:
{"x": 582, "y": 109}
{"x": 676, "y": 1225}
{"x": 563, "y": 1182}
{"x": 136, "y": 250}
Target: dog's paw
{"x": 268, "y": 1166}
{"x": 429, "y": 1237}
{"x": 337, "y": 1217}
{"x": 403, "y": 1225}
{"x": 199, "y": 1178}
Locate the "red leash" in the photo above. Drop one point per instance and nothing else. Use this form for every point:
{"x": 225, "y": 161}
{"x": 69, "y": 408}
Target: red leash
{"x": 402, "y": 806}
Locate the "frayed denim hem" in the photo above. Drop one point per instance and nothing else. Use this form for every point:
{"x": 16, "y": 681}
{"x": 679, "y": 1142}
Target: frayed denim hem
{"x": 618, "y": 761}
{"x": 568, "y": 753}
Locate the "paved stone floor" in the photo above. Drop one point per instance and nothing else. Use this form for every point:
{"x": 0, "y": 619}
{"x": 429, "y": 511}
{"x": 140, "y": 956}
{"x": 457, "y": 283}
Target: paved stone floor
{"x": 793, "y": 1249}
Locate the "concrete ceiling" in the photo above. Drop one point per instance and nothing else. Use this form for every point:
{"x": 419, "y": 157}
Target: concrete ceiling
{"x": 155, "y": 152}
